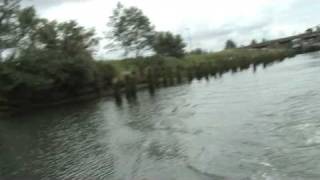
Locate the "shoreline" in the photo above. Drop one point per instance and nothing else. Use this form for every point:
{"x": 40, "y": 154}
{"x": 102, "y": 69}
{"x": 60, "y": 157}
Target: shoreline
{"x": 135, "y": 75}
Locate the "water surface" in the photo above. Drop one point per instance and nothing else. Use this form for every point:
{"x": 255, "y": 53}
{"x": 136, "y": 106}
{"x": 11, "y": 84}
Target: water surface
{"x": 262, "y": 125}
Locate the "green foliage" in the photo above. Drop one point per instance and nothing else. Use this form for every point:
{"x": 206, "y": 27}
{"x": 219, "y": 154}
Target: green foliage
{"x": 230, "y": 44}
{"x": 68, "y": 38}
{"x": 28, "y": 24}
{"x": 47, "y": 71}
{"x": 52, "y": 59}
{"x": 310, "y": 30}
{"x": 167, "y": 44}
{"x": 105, "y": 73}
{"x": 253, "y": 42}
{"x": 8, "y": 24}
{"x": 195, "y": 64}
{"x": 130, "y": 29}
{"x": 198, "y": 51}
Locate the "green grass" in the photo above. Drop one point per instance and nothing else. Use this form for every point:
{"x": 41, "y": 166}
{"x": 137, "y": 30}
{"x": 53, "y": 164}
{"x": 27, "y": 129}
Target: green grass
{"x": 41, "y": 81}
{"x": 202, "y": 65}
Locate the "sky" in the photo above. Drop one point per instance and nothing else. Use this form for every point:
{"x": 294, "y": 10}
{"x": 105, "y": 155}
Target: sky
{"x": 205, "y": 24}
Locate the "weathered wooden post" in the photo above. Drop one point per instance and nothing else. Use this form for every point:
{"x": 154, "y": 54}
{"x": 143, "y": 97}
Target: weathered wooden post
{"x": 254, "y": 68}
{"x": 170, "y": 76}
{"x": 117, "y": 91}
{"x": 130, "y": 86}
{"x": 207, "y": 71}
{"x": 234, "y": 69}
{"x": 190, "y": 74}
{"x": 198, "y": 72}
{"x": 151, "y": 80}
{"x": 164, "y": 77}
{"x": 178, "y": 74}
{"x": 157, "y": 76}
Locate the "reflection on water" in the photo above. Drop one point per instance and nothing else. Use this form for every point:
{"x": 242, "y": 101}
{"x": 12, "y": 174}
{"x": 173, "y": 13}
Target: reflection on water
{"x": 254, "y": 124}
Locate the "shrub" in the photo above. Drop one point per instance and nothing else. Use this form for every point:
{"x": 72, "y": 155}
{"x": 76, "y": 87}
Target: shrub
{"x": 167, "y": 44}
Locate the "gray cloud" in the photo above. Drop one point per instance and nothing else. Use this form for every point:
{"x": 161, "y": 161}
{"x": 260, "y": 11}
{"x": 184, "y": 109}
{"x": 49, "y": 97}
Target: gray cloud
{"x": 214, "y": 39}
{"x": 275, "y": 23}
{"x": 44, "y": 4}
{"x": 209, "y": 22}
{"x": 228, "y": 29}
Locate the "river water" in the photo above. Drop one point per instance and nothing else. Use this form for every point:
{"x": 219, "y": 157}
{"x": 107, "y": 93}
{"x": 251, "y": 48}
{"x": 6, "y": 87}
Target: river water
{"x": 248, "y": 126}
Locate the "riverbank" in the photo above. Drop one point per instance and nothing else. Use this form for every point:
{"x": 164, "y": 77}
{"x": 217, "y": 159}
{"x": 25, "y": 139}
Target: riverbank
{"x": 243, "y": 126}
{"x": 125, "y": 77}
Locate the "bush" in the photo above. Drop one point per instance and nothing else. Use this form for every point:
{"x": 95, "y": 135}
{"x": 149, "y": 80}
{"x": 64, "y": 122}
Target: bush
{"x": 230, "y": 44}
{"x": 167, "y": 44}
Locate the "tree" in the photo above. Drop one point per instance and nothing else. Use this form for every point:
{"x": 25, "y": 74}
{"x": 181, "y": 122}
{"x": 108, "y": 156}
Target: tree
{"x": 310, "y": 30}
{"x": 49, "y": 58}
{"x": 198, "y": 51}
{"x": 8, "y": 24}
{"x": 68, "y": 38}
{"x": 27, "y": 27}
{"x": 17, "y": 27}
{"x": 130, "y": 29}
{"x": 60, "y": 52}
{"x": 230, "y": 44}
{"x": 167, "y": 44}
{"x": 76, "y": 39}
{"x": 253, "y": 42}
{"x": 59, "y": 57}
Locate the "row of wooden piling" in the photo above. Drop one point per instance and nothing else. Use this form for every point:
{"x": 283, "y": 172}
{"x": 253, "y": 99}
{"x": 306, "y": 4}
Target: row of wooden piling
{"x": 156, "y": 77}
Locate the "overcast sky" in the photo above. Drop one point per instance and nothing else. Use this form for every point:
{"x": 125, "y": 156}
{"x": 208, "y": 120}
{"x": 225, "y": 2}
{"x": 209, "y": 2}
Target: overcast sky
{"x": 203, "y": 23}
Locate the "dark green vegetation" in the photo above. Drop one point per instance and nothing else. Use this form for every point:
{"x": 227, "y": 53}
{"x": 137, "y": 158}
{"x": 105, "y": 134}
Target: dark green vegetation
{"x": 47, "y": 60}
{"x": 167, "y": 44}
{"x": 50, "y": 81}
{"x": 164, "y": 71}
{"x": 230, "y": 44}
{"x": 52, "y": 62}
{"x": 132, "y": 32}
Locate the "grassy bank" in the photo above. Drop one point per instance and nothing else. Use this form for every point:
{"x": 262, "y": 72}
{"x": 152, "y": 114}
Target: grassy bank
{"x": 34, "y": 81}
{"x": 195, "y": 66}
{"x": 49, "y": 62}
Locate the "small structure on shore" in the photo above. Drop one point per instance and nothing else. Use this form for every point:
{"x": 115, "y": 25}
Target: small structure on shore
{"x": 305, "y": 42}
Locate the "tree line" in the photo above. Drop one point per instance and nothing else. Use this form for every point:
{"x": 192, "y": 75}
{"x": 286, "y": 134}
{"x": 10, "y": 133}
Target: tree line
{"x": 130, "y": 31}
{"x": 46, "y": 58}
